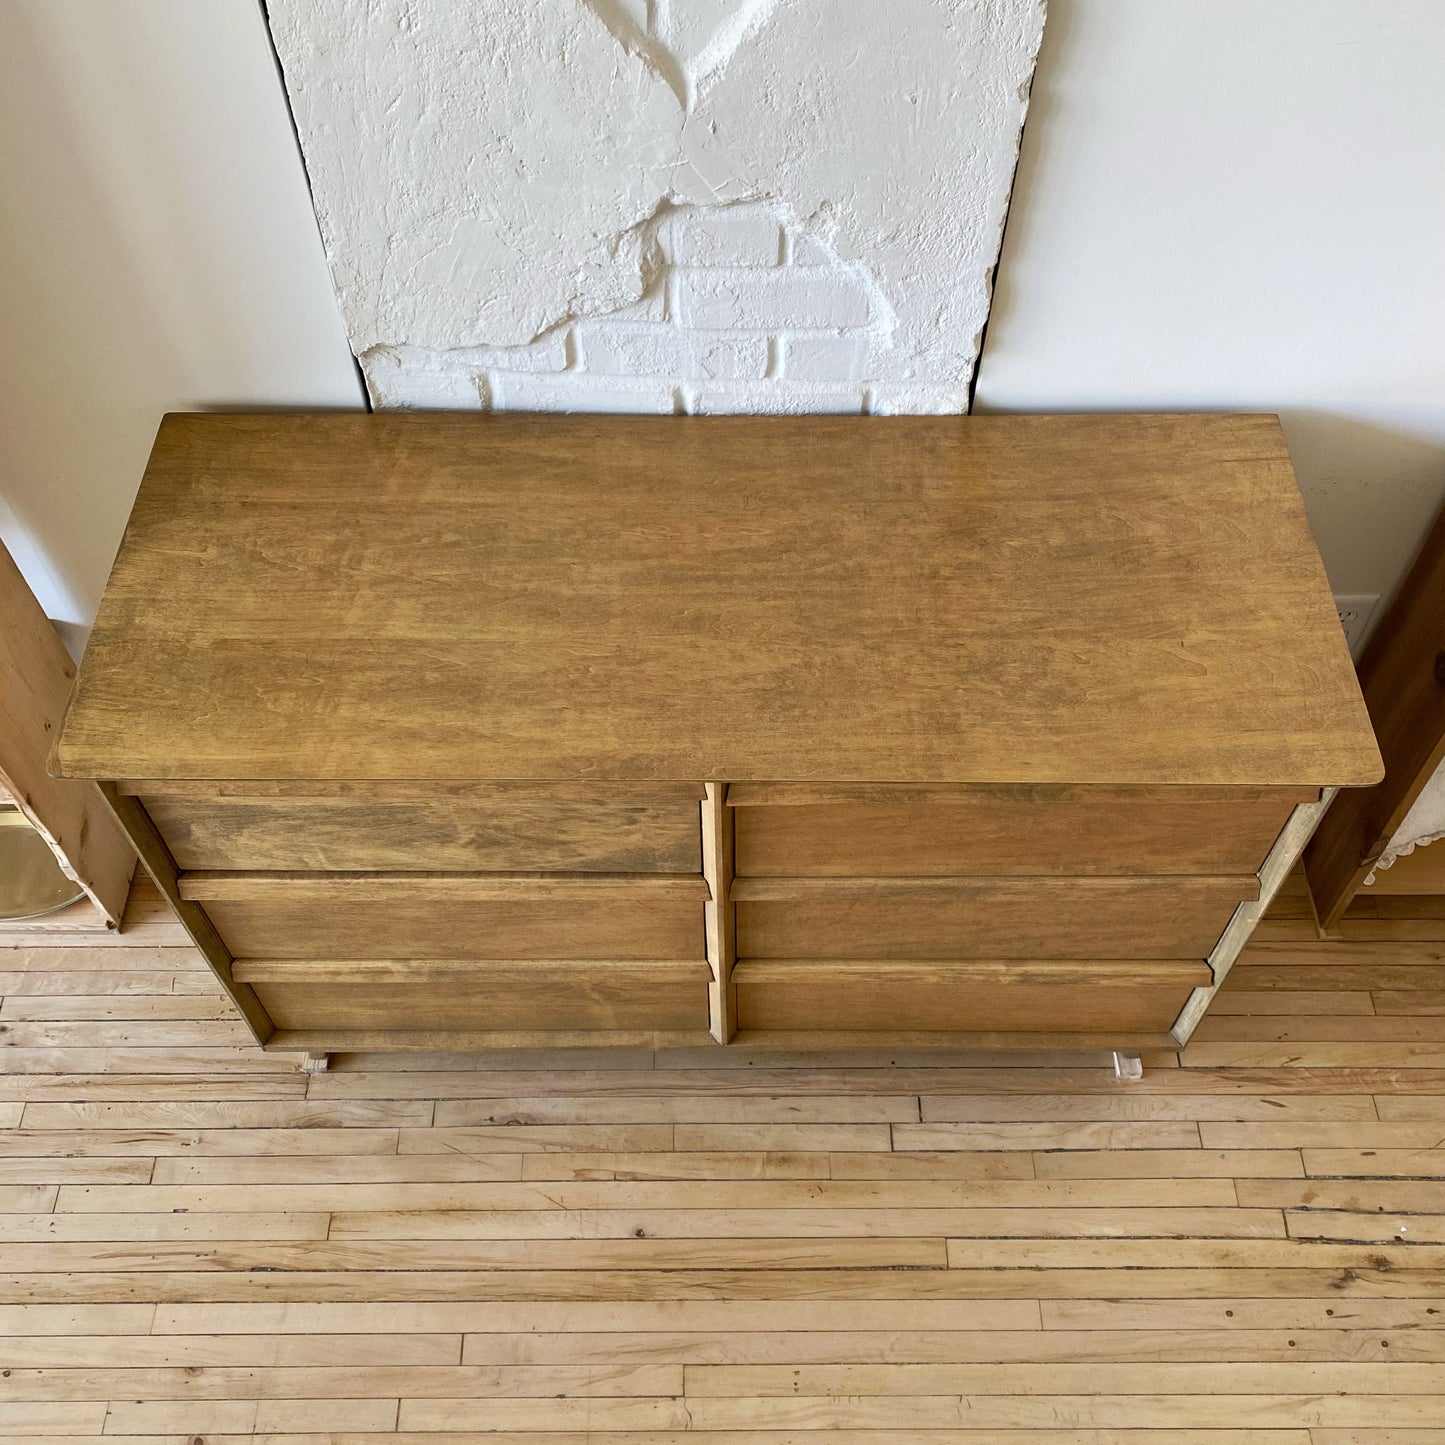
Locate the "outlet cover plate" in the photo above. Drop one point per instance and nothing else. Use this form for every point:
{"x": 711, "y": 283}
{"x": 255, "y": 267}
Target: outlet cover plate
{"x": 1357, "y": 611}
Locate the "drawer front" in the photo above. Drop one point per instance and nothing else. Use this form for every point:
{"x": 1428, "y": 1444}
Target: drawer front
{"x": 466, "y": 916}
{"x": 880, "y": 831}
{"x": 1078, "y": 996}
{"x": 483, "y": 997}
{"x": 497, "y": 828}
{"x": 1118, "y": 918}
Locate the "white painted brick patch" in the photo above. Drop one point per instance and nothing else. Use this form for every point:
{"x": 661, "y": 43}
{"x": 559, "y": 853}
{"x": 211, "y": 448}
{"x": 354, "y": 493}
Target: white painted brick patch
{"x": 728, "y": 321}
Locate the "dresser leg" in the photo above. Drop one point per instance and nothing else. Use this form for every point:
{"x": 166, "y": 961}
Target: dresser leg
{"x": 319, "y": 1063}
{"x": 1129, "y": 1067}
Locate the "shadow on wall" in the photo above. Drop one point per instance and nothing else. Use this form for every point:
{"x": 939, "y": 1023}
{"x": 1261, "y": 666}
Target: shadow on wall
{"x": 74, "y": 309}
{"x": 1372, "y": 491}
{"x": 159, "y": 254}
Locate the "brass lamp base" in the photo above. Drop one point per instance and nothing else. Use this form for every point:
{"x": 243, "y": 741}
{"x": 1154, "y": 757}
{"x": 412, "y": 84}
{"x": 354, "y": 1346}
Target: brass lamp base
{"x": 31, "y": 880}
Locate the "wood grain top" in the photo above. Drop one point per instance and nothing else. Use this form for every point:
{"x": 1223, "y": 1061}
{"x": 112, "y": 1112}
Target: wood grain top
{"x": 1124, "y": 599}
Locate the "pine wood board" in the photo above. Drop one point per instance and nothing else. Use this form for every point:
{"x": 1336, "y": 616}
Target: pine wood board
{"x": 36, "y": 674}
{"x": 1365, "y": 1278}
{"x": 874, "y": 1347}
{"x": 1400, "y": 675}
{"x": 503, "y": 1110}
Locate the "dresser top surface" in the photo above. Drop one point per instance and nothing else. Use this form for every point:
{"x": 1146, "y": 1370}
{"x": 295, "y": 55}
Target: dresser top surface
{"x": 1131, "y": 599}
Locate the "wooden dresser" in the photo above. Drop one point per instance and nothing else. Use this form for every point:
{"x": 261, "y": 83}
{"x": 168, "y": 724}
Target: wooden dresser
{"x": 454, "y": 731}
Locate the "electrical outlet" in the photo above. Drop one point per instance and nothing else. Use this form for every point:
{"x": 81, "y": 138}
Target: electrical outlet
{"x": 1356, "y": 611}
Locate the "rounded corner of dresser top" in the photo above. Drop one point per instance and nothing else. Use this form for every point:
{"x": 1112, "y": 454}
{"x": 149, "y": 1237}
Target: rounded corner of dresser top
{"x": 60, "y": 763}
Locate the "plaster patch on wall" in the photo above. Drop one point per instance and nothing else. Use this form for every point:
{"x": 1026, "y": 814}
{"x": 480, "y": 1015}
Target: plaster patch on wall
{"x": 472, "y": 162}
{"x": 495, "y": 181}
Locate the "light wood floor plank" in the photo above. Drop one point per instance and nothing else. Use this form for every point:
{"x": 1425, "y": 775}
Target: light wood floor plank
{"x": 813, "y": 1224}
{"x": 1415, "y": 1134}
{"x": 297, "y": 1167}
{"x": 109, "y": 983}
{"x": 1413, "y": 1196}
{"x": 1170, "y": 1164}
{"x": 954, "y": 1108}
{"x": 122, "y": 1008}
{"x": 946, "y": 1347}
{"x": 766, "y": 1194}
{"x": 693, "y": 1108}
{"x": 143, "y": 1351}
{"x": 1427, "y": 1108}
{"x": 209, "y": 1418}
{"x": 159, "y": 1088}
{"x": 1289, "y": 1377}
{"x": 359, "y": 1382}
{"x": 1180, "y": 1134}
{"x": 1295, "y": 1002}
{"x": 501, "y": 1316}
{"x": 45, "y": 1320}
{"x": 264, "y": 1114}
{"x": 134, "y": 1228}
{"x": 66, "y": 1170}
{"x": 621, "y": 1258}
{"x": 1271, "y": 1252}
{"x": 1366, "y": 1226}
{"x": 1371, "y": 1277}
{"x": 45, "y": 1419}
{"x": 740, "y": 1164}
{"x": 1066, "y": 1436}
{"x": 931, "y": 1412}
{"x": 1368, "y": 1055}
{"x": 1399, "y": 1163}
{"x": 91, "y": 1144}
{"x": 1324, "y": 1313}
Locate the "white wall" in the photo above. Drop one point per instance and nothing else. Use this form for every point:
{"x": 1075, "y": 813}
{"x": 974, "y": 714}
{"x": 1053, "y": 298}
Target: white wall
{"x": 157, "y": 252}
{"x": 1229, "y": 204}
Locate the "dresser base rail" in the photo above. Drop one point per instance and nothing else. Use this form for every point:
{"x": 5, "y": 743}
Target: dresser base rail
{"x": 1060, "y": 1050}
{"x": 1277, "y": 867}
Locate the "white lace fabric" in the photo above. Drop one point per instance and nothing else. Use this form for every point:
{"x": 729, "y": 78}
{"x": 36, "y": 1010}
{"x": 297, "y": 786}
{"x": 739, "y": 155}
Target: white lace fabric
{"x": 1424, "y": 824}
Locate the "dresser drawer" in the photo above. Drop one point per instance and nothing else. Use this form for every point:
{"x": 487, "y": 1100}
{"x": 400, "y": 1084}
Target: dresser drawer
{"x": 498, "y": 827}
{"x": 321, "y": 915}
{"x": 480, "y": 996}
{"x": 883, "y": 830}
{"x": 965, "y": 997}
{"x": 944, "y": 918}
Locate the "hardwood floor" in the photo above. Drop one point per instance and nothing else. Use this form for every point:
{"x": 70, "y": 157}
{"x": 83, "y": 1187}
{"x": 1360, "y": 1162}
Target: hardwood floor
{"x": 200, "y": 1243}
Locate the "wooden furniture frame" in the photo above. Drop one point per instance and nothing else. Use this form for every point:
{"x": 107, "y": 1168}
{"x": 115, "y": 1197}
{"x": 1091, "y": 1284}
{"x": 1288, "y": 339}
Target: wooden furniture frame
{"x": 790, "y": 734}
{"x": 35, "y": 679}
{"x": 1402, "y": 675}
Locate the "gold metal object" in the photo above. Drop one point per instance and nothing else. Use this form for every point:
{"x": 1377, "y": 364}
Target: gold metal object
{"x": 32, "y": 882}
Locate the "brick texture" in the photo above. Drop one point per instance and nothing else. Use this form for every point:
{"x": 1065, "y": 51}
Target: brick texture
{"x": 743, "y": 311}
